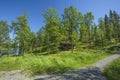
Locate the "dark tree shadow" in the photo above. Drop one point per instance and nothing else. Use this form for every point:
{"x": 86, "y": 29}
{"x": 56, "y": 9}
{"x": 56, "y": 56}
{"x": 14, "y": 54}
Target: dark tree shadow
{"x": 114, "y": 48}
{"x": 79, "y": 74}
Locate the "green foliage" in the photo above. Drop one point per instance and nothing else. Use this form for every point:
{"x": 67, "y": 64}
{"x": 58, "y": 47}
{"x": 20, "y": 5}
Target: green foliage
{"x": 50, "y": 36}
{"x": 112, "y": 26}
{"x": 113, "y": 71}
{"x": 71, "y": 21}
{"x": 24, "y": 37}
{"x": 41, "y": 34}
{"x": 52, "y": 63}
{"x": 113, "y": 47}
{"x": 4, "y": 34}
{"x": 6, "y": 53}
{"x": 74, "y": 27}
{"x": 84, "y": 35}
{"x": 86, "y": 28}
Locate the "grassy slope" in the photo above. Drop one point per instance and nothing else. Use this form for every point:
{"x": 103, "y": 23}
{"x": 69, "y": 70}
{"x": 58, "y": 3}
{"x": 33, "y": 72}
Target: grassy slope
{"x": 113, "y": 71}
{"x": 52, "y": 63}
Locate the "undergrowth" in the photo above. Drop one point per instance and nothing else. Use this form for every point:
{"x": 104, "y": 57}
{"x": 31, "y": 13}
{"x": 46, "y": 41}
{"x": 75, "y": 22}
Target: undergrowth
{"x": 54, "y": 63}
{"x": 113, "y": 71}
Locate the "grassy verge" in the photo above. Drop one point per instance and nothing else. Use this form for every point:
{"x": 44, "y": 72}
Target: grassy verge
{"x": 113, "y": 71}
{"x": 52, "y": 63}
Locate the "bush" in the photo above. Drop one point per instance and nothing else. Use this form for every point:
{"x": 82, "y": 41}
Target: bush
{"x": 113, "y": 71}
{"x": 6, "y": 53}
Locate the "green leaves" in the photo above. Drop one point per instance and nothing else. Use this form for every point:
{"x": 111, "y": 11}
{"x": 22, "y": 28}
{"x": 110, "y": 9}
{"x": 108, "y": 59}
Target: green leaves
{"x": 4, "y": 31}
{"x": 50, "y": 35}
{"x": 23, "y": 34}
{"x": 71, "y": 22}
{"x": 113, "y": 71}
{"x": 4, "y": 34}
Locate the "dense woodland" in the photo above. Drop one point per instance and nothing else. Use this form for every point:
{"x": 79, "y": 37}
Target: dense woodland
{"x": 72, "y": 28}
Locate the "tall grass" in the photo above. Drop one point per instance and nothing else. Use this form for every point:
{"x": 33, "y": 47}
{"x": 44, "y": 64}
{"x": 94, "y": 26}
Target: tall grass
{"x": 113, "y": 71}
{"x": 52, "y": 63}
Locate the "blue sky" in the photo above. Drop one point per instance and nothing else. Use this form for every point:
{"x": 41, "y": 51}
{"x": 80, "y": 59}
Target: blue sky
{"x": 10, "y": 9}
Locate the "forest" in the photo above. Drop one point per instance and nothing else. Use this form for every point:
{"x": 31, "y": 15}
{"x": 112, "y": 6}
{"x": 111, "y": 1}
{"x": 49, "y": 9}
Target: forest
{"x": 73, "y": 31}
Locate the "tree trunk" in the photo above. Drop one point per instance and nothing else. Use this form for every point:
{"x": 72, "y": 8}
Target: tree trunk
{"x": 48, "y": 44}
{"x": 72, "y": 40}
{"x": 0, "y": 50}
{"x": 72, "y": 47}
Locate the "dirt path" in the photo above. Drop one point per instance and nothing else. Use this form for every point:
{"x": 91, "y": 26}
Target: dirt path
{"x": 91, "y": 73}
{"x": 13, "y": 75}
{"x": 102, "y": 64}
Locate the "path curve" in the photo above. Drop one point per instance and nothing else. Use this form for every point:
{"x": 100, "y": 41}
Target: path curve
{"x": 102, "y": 64}
{"x": 85, "y": 73}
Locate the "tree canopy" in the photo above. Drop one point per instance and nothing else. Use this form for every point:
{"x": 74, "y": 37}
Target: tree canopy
{"x": 71, "y": 28}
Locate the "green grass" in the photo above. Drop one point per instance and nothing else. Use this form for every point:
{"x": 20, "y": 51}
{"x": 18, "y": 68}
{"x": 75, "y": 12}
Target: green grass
{"x": 113, "y": 71}
{"x": 54, "y": 63}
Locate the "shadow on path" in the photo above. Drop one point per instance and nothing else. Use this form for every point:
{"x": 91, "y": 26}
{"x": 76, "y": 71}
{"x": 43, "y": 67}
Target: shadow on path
{"x": 118, "y": 52}
{"x": 79, "y": 74}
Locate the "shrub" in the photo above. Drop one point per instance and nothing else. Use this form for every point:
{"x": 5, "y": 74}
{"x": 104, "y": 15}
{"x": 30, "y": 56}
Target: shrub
{"x": 113, "y": 71}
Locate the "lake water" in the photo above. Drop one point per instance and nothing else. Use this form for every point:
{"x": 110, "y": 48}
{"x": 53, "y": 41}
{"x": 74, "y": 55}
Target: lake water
{"x": 12, "y": 51}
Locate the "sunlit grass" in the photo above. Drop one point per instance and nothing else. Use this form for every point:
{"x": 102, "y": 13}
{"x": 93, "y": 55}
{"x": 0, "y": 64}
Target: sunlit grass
{"x": 53, "y": 63}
